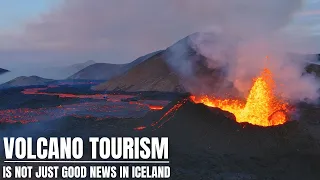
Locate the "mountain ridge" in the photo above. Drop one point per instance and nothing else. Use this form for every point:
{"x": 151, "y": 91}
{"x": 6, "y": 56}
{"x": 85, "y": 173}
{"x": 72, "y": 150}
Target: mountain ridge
{"x": 26, "y": 81}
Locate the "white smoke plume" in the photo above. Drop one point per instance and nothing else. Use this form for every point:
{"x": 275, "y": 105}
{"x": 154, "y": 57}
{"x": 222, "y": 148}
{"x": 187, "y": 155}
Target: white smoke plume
{"x": 243, "y": 34}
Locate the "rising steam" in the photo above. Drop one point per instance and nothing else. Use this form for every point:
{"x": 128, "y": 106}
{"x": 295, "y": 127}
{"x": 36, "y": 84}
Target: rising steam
{"x": 246, "y": 36}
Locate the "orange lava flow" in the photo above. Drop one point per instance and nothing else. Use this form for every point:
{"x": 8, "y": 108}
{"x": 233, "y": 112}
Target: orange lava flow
{"x": 140, "y": 128}
{"x": 155, "y": 107}
{"x": 261, "y": 108}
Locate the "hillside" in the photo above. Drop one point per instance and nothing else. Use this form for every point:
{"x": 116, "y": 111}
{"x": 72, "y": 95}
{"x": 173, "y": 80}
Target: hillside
{"x": 60, "y": 71}
{"x": 106, "y": 71}
{"x": 150, "y": 75}
{"x": 178, "y": 68}
{"x": 81, "y": 66}
{"x": 26, "y": 81}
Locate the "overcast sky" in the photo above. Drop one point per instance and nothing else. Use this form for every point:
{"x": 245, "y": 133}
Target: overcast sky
{"x": 60, "y": 32}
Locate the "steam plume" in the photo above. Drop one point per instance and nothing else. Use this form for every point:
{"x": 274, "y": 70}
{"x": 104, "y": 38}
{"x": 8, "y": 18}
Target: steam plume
{"x": 243, "y": 34}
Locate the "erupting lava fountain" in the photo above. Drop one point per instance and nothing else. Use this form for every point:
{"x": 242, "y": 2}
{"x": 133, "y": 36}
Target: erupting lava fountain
{"x": 261, "y": 108}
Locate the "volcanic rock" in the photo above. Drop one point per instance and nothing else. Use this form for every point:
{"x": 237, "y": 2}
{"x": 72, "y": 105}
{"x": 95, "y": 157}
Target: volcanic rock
{"x": 26, "y": 81}
{"x": 106, "y": 71}
{"x": 313, "y": 62}
{"x": 313, "y": 69}
{"x": 204, "y": 143}
{"x": 219, "y": 129}
{"x": 209, "y": 138}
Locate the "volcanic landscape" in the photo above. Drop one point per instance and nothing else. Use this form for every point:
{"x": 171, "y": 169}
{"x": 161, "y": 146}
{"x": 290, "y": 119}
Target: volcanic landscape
{"x": 100, "y": 106}
{"x": 205, "y": 141}
{"x": 258, "y": 136}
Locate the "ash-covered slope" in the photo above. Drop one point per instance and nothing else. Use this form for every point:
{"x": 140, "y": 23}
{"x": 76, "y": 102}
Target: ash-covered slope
{"x": 106, "y": 71}
{"x": 26, "y": 81}
{"x": 150, "y": 75}
{"x": 2, "y": 71}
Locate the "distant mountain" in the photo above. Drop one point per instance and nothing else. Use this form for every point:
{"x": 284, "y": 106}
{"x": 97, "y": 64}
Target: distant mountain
{"x": 106, "y": 71}
{"x": 80, "y": 66}
{"x": 26, "y": 81}
{"x": 150, "y": 75}
{"x": 2, "y": 71}
{"x": 62, "y": 72}
{"x": 98, "y": 71}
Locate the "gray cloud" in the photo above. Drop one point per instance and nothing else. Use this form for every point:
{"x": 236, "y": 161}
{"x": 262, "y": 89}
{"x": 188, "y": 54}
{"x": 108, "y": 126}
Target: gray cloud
{"x": 132, "y": 28}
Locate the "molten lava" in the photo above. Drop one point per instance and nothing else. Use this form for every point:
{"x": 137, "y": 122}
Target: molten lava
{"x": 155, "y": 107}
{"x": 261, "y": 108}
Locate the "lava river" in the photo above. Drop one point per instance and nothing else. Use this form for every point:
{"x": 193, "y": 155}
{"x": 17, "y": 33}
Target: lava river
{"x": 104, "y": 106}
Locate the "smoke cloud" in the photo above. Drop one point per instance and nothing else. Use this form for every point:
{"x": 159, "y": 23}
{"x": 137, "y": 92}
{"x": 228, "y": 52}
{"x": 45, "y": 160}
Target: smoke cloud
{"x": 243, "y": 33}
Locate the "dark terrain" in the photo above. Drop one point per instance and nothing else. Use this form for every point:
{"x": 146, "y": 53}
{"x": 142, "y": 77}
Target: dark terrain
{"x": 205, "y": 143}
